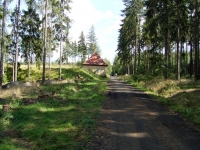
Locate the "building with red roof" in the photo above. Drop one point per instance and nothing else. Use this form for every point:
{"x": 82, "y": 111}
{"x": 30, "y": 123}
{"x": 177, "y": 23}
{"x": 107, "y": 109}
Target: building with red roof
{"x": 96, "y": 64}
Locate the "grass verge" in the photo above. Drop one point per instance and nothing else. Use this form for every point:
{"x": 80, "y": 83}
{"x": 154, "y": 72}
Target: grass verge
{"x": 181, "y": 96}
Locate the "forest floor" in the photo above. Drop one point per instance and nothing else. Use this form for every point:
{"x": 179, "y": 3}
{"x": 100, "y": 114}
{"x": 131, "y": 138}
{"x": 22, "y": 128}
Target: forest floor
{"x": 132, "y": 120}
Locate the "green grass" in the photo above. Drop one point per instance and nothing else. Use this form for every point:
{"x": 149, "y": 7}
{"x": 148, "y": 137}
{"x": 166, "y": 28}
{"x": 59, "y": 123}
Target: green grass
{"x": 63, "y": 121}
{"x": 68, "y": 72}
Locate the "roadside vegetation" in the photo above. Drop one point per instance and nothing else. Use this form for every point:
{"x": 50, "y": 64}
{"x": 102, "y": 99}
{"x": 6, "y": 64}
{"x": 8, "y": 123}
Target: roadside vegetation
{"x": 160, "y": 52}
{"x": 182, "y": 95}
{"x": 53, "y": 116}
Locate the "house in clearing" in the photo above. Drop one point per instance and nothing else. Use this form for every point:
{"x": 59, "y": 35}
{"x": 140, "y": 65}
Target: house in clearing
{"x": 95, "y": 64}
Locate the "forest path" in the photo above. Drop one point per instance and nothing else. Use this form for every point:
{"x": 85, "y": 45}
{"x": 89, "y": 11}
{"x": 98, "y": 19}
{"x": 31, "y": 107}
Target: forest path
{"x": 131, "y": 120}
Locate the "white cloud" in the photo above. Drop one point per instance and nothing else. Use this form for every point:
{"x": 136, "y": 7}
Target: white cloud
{"x": 112, "y": 28}
{"x": 106, "y": 24}
{"x": 116, "y": 2}
{"x": 83, "y": 15}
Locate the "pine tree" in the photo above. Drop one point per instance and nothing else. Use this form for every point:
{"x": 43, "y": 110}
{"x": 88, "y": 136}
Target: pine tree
{"x": 93, "y": 46}
{"x": 74, "y": 50}
{"x": 82, "y": 47}
{"x": 30, "y": 34}
{"x": 61, "y": 25}
{"x": 128, "y": 45}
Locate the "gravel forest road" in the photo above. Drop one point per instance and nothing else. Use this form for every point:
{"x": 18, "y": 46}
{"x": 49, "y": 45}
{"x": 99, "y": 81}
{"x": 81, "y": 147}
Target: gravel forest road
{"x": 131, "y": 120}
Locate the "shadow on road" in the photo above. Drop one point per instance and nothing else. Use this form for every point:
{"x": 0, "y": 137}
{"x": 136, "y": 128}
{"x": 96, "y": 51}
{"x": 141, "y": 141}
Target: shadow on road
{"x": 131, "y": 120}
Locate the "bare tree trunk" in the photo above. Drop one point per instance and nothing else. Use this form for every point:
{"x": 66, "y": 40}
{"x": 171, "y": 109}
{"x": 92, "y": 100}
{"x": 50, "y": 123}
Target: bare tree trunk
{"x": 2, "y": 44}
{"x": 181, "y": 51}
{"x": 139, "y": 50}
{"x": 136, "y": 46}
{"x": 29, "y": 70}
{"x": 50, "y": 49}
{"x": 128, "y": 69}
{"x": 191, "y": 60}
{"x": 17, "y": 35}
{"x": 148, "y": 56}
{"x": 186, "y": 57}
{"x": 45, "y": 45}
{"x": 167, "y": 47}
{"x": 60, "y": 72}
{"x": 191, "y": 63}
{"x": 133, "y": 61}
{"x": 196, "y": 42}
{"x": 178, "y": 57}
{"x": 28, "y": 59}
{"x": 167, "y": 52}
{"x": 146, "y": 59}
{"x": 13, "y": 73}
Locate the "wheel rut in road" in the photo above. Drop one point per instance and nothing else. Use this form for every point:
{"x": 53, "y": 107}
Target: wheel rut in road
{"x": 132, "y": 120}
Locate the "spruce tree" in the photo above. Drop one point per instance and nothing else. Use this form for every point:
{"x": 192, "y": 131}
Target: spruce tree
{"x": 82, "y": 47}
{"x": 93, "y": 46}
{"x": 30, "y": 34}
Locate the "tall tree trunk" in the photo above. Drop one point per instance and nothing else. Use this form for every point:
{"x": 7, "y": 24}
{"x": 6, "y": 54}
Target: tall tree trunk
{"x": 148, "y": 58}
{"x": 167, "y": 61}
{"x": 136, "y": 46}
{"x": 139, "y": 50}
{"x": 167, "y": 47}
{"x": 153, "y": 62}
{"x": 29, "y": 70}
{"x": 186, "y": 58}
{"x": 17, "y": 35}
{"x": 181, "y": 52}
{"x": 196, "y": 41}
{"x": 166, "y": 53}
{"x": 178, "y": 57}
{"x": 191, "y": 64}
{"x": 172, "y": 60}
{"x": 190, "y": 67}
{"x": 13, "y": 69}
{"x": 60, "y": 72}
{"x": 184, "y": 53}
{"x": 45, "y": 45}
{"x": 50, "y": 50}
{"x": 2, "y": 44}
{"x": 28, "y": 59}
{"x": 133, "y": 62}
{"x": 128, "y": 67}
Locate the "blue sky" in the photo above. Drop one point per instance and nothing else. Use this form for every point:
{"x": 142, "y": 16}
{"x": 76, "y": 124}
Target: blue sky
{"x": 103, "y": 14}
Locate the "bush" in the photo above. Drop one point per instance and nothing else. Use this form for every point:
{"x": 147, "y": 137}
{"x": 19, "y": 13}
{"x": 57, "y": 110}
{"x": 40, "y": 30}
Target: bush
{"x": 141, "y": 77}
{"x": 8, "y": 73}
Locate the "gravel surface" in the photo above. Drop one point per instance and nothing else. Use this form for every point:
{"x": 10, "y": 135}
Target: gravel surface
{"x": 131, "y": 120}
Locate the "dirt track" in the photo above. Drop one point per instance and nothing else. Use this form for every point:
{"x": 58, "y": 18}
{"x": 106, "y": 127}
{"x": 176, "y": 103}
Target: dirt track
{"x": 131, "y": 120}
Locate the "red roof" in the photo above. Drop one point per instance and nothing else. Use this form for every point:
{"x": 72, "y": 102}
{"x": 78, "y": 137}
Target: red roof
{"x": 95, "y": 60}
